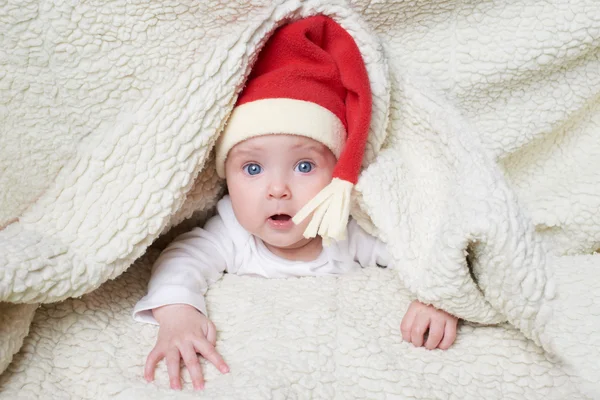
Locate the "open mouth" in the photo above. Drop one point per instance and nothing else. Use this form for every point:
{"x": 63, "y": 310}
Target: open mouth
{"x": 280, "y": 217}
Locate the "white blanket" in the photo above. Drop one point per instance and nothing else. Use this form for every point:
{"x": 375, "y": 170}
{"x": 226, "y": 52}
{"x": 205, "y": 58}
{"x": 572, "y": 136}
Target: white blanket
{"x": 482, "y": 175}
{"x": 318, "y": 338}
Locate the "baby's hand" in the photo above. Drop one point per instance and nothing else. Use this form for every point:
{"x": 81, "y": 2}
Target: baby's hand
{"x": 184, "y": 331}
{"x": 421, "y": 317}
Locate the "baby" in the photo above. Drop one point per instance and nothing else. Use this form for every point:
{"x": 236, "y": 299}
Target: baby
{"x": 289, "y": 149}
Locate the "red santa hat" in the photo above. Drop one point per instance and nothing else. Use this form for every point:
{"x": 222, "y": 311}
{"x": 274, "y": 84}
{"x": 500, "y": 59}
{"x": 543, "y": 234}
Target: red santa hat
{"x": 309, "y": 80}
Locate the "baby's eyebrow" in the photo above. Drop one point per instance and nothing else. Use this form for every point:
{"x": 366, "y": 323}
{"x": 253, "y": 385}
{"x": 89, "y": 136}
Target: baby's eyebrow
{"x": 245, "y": 151}
{"x": 309, "y": 147}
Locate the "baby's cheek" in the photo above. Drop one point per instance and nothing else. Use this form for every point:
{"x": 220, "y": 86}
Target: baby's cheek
{"x": 245, "y": 213}
{"x": 249, "y": 223}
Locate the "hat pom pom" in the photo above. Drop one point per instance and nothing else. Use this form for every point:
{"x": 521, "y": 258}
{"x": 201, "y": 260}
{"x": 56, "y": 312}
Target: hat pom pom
{"x": 331, "y": 208}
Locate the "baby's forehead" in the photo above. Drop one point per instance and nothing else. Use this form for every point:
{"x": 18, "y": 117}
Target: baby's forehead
{"x": 279, "y": 142}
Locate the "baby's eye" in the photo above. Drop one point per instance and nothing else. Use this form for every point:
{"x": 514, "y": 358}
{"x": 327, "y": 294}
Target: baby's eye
{"x": 252, "y": 169}
{"x": 304, "y": 167}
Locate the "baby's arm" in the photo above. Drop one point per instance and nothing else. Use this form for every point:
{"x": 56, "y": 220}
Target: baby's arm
{"x": 420, "y": 319}
{"x": 175, "y": 300}
{"x": 186, "y": 268}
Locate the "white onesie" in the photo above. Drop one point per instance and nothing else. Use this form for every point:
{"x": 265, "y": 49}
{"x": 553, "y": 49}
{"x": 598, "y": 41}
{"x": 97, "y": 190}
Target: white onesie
{"x": 198, "y": 258}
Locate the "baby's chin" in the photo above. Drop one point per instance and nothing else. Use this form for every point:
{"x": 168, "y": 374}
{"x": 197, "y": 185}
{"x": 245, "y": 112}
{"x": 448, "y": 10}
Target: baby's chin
{"x": 284, "y": 243}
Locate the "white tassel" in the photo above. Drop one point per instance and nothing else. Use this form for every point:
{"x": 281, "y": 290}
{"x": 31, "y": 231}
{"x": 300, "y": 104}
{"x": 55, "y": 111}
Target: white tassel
{"x": 331, "y": 208}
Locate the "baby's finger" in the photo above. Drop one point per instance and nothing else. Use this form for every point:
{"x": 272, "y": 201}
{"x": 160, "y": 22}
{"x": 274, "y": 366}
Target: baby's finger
{"x": 209, "y": 352}
{"x": 153, "y": 358}
{"x": 449, "y": 335}
{"x": 419, "y": 328}
{"x": 407, "y": 323}
{"x": 211, "y": 335}
{"x": 190, "y": 358}
{"x": 173, "y": 369}
{"x": 436, "y": 333}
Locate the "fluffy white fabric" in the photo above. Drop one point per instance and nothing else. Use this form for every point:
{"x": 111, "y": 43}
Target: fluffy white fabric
{"x": 482, "y": 175}
{"x": 318, "y": 338}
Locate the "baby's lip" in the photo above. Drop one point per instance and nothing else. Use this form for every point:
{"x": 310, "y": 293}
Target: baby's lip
{"x": 280, "y": 217}
{"x": 280, "y": 222}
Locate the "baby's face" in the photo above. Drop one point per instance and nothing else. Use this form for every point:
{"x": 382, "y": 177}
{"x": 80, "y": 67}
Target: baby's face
{"x": 270, "y": 178}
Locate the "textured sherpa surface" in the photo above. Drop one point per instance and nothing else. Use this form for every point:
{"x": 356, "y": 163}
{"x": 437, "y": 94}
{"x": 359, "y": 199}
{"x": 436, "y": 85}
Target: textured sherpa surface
{"x": 482, "y": 173}
{"x": 302, "y": 338}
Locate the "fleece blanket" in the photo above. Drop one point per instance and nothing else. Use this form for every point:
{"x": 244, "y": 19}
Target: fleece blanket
{"x": 481, "y": 174}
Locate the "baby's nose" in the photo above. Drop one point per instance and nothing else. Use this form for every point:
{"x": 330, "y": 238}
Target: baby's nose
{"x": 279, "y": 190}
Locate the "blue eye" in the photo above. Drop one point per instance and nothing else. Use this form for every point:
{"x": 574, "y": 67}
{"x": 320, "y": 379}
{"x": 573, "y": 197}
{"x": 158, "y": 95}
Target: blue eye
{"x": 252, "y": 169}
{"x": 304, "y": 166}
